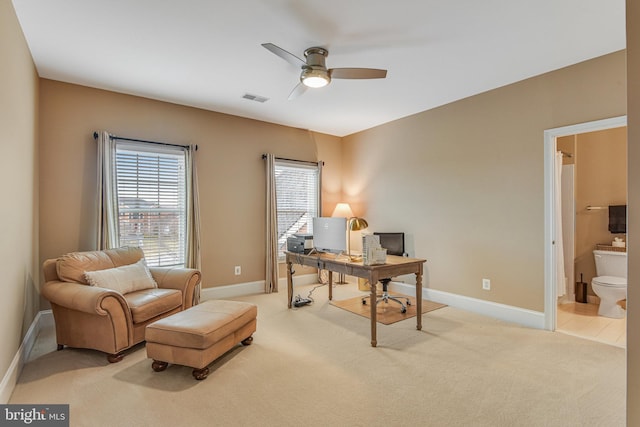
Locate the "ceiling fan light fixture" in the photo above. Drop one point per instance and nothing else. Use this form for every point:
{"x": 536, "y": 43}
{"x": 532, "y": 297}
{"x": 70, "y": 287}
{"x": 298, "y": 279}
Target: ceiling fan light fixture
{"x": 315, "y": 73}
{"x": 314, "y": 78}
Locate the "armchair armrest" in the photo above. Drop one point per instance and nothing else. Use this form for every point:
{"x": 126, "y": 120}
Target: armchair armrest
{"x": 183, "y": 279}
{"x": 87, "y": 299}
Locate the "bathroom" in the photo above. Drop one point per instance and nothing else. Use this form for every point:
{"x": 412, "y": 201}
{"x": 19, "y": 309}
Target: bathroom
{"x": 594, "y": 177}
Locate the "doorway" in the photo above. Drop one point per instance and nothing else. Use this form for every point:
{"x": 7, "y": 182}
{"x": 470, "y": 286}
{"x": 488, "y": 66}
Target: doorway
{"x": 552, "y": 226}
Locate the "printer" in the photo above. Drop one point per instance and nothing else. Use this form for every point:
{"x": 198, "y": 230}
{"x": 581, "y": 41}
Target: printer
{"x": 300, "y": 243}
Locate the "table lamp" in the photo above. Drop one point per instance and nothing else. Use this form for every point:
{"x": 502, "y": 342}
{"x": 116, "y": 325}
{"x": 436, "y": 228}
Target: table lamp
{"x": 355, "y": 224}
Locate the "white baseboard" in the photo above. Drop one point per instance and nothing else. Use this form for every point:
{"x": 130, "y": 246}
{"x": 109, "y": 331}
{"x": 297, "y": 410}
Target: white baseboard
{"x": 521, "y": 316}
{"x": 241, "y": 289}
{"x": 509, "y": 313}
{"x": 43, "y": 320}
{"x": 230, "y": 291}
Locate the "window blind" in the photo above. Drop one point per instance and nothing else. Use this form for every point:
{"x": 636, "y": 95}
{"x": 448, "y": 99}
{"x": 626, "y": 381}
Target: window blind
{"x": 297, "y": 199}
{"x": 151, "y": 191}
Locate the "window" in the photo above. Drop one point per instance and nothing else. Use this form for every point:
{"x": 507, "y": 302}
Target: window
{"x": 297, "y": 199}
{"x": 151, "y": 194}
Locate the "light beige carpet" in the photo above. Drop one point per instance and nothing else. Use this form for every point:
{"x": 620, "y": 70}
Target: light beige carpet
{"x": 314, "y": 366}
{"x": 386, "y": 313}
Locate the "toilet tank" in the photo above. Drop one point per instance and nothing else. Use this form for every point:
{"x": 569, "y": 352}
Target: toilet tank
{"x": 610, "y": 263}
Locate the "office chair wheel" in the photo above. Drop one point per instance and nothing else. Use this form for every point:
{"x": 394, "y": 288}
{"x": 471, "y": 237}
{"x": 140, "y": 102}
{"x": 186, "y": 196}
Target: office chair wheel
{"x": 408, "y": 302}
{"x": 403, "y": 310}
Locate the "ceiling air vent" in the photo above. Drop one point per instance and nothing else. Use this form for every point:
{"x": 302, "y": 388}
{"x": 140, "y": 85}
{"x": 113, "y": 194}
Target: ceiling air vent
{"x": 256, "y": 98}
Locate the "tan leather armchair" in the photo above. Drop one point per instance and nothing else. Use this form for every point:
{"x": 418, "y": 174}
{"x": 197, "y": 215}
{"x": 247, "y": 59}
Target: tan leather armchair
{"x": 107, "y": 320}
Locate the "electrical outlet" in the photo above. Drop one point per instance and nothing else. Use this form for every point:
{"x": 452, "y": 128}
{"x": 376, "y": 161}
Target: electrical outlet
{"x": 486, "y": 284}
{"x": 238, "y": 270}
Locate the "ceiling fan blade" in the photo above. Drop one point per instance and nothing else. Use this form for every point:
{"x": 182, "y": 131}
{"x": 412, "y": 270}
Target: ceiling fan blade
{"x": 357, "y": 73}
{"x": 289, "y": 57}
{"x": 297, "y": 91}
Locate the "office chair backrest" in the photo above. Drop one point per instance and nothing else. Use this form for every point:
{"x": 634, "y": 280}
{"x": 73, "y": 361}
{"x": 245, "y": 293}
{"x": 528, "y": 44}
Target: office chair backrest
{"x": 392, "y": 242}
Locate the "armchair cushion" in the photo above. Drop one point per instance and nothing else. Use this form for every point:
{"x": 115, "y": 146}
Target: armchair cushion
{"x": 123, "y": 279}
{"x": 149, "y": 303}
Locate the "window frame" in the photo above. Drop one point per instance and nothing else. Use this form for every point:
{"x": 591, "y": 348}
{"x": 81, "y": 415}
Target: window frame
{"x": 146, "y": 153}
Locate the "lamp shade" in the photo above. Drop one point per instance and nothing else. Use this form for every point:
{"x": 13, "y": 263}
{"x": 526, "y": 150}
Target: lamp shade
{"x": 356, "y": 224}
{"x": 342, "y": 210}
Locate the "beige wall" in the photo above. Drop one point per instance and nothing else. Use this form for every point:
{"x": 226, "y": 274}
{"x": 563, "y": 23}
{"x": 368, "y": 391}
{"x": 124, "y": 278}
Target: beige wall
{"x": 633, "y": 222}
{"x": 465, "y": 181}
{"x": 469, "y": 199}
{"x": 18, "y": 186}
{"x": 600, "y": 180}
{"x": 230, "y": 171}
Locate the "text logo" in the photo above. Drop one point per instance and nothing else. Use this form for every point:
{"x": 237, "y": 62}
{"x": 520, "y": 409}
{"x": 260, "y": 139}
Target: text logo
{"x": 34, "y": 415}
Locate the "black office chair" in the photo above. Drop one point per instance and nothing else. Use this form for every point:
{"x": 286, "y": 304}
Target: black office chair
{"x": 394, "y": 244}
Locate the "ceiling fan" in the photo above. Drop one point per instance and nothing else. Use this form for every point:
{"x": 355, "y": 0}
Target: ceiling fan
{"x": 314, "y": 71}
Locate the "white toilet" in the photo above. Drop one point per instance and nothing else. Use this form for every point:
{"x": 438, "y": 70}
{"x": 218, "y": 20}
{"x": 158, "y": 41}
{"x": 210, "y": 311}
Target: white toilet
{"x": 611, "y": 283}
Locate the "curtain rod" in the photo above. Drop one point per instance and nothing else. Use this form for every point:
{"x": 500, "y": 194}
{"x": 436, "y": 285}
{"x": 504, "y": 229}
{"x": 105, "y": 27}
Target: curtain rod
{"x": 569, "y": 155}
{"x": 264, "y": 156}
{"x": 95, "y": 136}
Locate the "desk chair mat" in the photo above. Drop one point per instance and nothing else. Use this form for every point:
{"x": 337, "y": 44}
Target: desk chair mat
{"x": 386, "y": 313}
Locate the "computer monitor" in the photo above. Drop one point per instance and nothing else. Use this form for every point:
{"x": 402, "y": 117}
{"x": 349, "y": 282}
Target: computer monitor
{"x": 330, "y": 234}
{"x": 392, "y": 242}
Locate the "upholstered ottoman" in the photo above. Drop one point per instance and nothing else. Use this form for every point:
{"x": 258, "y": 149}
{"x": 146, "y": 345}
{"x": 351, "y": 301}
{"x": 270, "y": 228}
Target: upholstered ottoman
{"x": 199, "y": 335}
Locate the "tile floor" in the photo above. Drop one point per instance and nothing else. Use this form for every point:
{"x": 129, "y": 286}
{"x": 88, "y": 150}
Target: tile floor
{"x": 582, "y": 320}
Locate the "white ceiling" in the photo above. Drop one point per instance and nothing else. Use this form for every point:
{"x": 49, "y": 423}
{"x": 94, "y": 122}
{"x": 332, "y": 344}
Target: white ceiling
{"x": 208, "y": 53}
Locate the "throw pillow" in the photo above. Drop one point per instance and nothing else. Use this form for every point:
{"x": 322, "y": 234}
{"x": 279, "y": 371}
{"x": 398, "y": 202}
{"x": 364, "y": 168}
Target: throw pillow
{"x": 123, "y": 279}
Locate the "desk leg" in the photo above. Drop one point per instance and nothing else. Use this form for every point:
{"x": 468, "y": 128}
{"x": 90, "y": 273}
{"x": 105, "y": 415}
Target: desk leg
{"x": 289, "y": 283}
{"x": 374, "y": 297}
{"x": 330, "y": 285}
{"x": 419, "y": 300}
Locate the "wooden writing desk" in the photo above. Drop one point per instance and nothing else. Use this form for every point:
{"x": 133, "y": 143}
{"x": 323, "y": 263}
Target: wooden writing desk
{"x": 395, "y": 266}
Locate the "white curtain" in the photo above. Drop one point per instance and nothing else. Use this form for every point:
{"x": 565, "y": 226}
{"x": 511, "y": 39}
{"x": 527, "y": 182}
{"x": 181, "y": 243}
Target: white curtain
{"x": 561, "y": 280}
{"x": 271, "y": 272}
{"x": 193, "y": 216}
{"x": 107, "y": 226}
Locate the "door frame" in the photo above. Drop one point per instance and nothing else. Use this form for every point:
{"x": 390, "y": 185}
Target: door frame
{"x": 550, "y": 264}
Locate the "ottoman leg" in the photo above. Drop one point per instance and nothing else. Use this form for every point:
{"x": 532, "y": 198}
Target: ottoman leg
{"x": 159, "y": 366}
{"x": 247, "y": 341}
{"x": 200, "y": 374}
{"x": 115, "y": 358}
